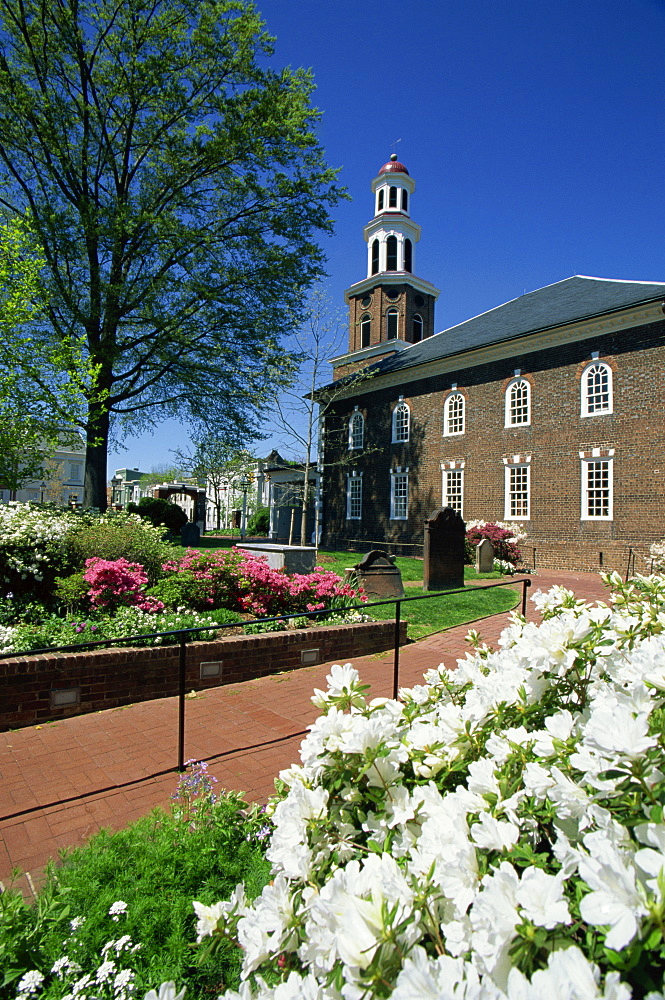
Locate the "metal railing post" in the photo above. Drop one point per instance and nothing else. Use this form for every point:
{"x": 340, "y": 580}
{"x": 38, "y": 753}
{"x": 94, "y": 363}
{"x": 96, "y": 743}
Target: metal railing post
{"x": 398, "y": 608}
{"x": 181, "y": 701}
{"x": 525, "y": 585}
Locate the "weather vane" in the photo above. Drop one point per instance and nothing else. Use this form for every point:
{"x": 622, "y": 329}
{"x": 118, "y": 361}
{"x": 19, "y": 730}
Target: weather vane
{"x": 393, "y": 144}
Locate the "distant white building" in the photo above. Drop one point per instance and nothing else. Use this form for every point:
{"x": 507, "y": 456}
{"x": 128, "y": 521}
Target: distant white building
{"x": 63, "y": 480}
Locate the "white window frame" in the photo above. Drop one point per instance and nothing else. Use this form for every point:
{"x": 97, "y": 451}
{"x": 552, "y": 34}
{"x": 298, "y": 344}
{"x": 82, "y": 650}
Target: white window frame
{"x": 399, "y": 495}
{"x": 510, "y": 408}
{"x": 449, "y": 419}
{"x": 591, "y": 490}
{"x": 449, "y": 492}
{"x": 517, "y": 494}
{"x": 356, "y": 419}
{"x": 354, "y": 496}
{"x": 589, "y": 406}
{"x": 401, "y": 427}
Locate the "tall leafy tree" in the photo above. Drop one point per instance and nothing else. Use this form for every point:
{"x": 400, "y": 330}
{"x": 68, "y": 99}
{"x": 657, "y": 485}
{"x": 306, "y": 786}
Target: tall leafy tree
{"x": 39, "y": 382}
{"x": 176, "y": 187}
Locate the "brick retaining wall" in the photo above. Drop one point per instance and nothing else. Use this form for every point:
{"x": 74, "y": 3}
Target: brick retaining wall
{"x": 58, "y": 685}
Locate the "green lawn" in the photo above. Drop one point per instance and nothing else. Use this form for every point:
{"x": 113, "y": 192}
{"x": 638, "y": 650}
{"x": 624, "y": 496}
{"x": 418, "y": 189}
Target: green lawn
{"x": 436, "y": 613}
{"x": 424, "y": 617}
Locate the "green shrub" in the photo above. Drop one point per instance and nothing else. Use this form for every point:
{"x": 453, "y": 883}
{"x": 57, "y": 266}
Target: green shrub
{"x": 160, "y": 513}
{"x": 157, "y": 866}
{"x": 119, "y": 535}
{"x": 259, "y": 522}
{"x": 72, "y": 591}
{"x": 180, "y": 590}
{"x": 55, "y": 631}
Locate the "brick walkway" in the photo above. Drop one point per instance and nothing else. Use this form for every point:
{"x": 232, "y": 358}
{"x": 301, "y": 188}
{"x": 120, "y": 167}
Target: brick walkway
{"x": 122, "y": 760}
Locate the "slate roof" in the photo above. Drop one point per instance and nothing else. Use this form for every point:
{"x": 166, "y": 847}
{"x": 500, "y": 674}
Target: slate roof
{"x": 573, "y": 299}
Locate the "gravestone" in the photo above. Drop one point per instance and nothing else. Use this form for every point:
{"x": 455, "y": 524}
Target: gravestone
{"x": 190, "y": 534}
{"x": 290, "y": 558}
{"x": 378, "y": 575}
{"x": 443, "y": 553}
{"x": 484, "y": 556}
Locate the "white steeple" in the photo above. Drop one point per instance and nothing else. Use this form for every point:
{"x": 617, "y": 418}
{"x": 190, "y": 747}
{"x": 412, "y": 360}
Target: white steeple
{"x": 391, "y": 236}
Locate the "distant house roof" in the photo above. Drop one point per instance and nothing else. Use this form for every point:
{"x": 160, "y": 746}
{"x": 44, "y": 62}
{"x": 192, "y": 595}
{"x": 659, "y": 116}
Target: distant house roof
{"x": 571, "y": 300}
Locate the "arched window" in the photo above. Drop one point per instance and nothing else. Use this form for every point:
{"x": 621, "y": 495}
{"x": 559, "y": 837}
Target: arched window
{"x": 405, "y": 200}
{"x": 453, "y": 414}
{"x": 391, "y": 253}
{"x": 401, "y": 421}
{"x": 392, "y": 324}
{"x": 417, "y": 328}
{"x": 392, "y": 198}
{"x": 365, "y": 331}
{"x": 356, "y": 430}
{"x": 375, "y": 257}
{"x": 408, "y": 255}
{"x": 596, "y": 389}
{"x": 518, "y": 403}
{"x": 379, "y": 203}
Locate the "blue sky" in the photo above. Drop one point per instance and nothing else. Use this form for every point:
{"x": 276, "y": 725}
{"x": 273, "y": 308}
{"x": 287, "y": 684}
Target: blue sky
{"x": 535, "y": 134}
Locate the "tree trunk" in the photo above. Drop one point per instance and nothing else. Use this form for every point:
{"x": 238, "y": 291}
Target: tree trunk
{"x": 97, "y": 431}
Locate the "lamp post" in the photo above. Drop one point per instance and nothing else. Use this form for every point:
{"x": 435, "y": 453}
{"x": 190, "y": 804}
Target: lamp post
{"x": 244, "y": 486}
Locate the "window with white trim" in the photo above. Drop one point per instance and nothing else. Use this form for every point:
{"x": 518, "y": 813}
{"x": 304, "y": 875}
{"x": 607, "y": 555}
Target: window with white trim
{"x": 597, "y": 488}
{"x": 365, "y": 331}
{"x": 401, "y": 422}
{"x": 518, "y": 403}
{"x": 417, "y": 328}
{"x": 354, "y": 496}
{"x": 356, "y": 430}
{"x": 453, "y": 414}
{"x": 453, "y": 489}
{"x": 596, "y": 389}
{"x": 518, "y": 492}
{"x": 392, "y": 324}
{"x": 399, "y": 495}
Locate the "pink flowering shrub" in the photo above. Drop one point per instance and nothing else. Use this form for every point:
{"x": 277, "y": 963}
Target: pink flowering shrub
{"x": 503, "y": 537}
{"x": 243, "y": 582}
{"x": 117, "y": 583}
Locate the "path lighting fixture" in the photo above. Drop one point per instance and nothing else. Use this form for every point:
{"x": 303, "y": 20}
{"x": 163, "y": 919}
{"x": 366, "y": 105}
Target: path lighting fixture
{"x": 244, "y": 486}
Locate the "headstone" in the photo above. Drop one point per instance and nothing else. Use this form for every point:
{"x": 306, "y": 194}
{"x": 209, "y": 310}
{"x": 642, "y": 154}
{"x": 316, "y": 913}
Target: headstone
{"x": 484, "y": 556}
{"x": 190, "y": 534}
{"x": 290, "y": 558}
{"x": 377, "y": 574}
{"x": 443, "y": 554}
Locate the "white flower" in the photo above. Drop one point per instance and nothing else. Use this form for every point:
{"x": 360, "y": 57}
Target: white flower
{"x": 494, "y": 834}
{"x": 541, "y": 899}
{"x": 166, "y": 992}
{"x": 615, "y": 899}
{"x": 117, "y": 909}
{"x": 30, "y": 983}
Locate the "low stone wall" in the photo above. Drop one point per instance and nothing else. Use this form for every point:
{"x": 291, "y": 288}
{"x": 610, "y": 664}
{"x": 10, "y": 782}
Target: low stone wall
{"x": 59, "y": 685}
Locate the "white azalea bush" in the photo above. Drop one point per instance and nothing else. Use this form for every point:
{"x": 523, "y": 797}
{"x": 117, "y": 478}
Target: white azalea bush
{"x": 32, "y": 540}
{"x": 497, "y": 833}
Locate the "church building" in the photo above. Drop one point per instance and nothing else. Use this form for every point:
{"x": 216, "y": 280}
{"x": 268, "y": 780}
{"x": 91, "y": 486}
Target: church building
{"x": 547, "y": 411}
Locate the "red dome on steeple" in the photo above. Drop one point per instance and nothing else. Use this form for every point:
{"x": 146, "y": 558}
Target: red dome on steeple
{"x": 393, "y": 166}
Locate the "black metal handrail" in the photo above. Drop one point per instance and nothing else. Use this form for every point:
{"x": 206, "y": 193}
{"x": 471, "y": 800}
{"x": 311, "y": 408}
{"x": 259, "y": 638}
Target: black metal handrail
{"x": 187, "y": 635}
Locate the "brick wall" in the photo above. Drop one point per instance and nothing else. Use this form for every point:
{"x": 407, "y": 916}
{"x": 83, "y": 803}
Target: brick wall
{"x": 33, "y": 687}
{"x": 556, "y": 435}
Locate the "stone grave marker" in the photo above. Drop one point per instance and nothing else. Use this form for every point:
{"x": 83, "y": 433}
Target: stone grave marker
{"x": 443, "y": 553}
{"x": 190, "y": 534}
{"x": 484, "y": 556}
{"x": 378, "y": 575}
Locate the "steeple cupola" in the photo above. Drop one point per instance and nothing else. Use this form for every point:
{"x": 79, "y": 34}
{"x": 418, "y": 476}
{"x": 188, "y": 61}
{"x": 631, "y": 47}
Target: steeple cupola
{"x": 391, "y": 308}
{"x": 391, "y": 235}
